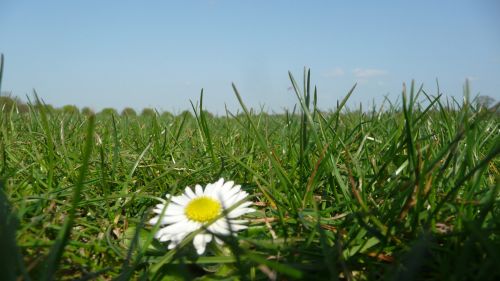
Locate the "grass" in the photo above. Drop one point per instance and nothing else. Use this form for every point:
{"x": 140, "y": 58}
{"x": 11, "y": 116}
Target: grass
{"x": 408, "y": 191}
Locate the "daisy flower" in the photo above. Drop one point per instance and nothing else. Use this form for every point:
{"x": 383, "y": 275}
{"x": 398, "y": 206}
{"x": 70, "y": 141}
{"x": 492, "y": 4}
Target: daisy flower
{"x": 191, "y": 211}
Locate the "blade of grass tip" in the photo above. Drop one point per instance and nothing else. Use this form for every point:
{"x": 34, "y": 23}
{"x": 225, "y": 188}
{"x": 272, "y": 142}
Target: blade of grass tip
{"x": 206, "y": 131}
{"x": 336, "y": 115}
{"x": 203, "y": 128}
{"x": 197, "y": 117}
{"x": 408, "y": 115}
{"x": 104, "y": 172}
{"x": 305, "y": 138}
{"x": 181, "y": 127}
{"x": 281, "y": 172}
{"x": 315, "y": 102}
{"x": 1, "y": 71}
{"x": 50, "y": 142}
{"x": 63, "y": 236}
{"x": 303, "y": 144}
{"x": 116, "y": 147}
{"x": 412, "y": 150}
{"x": 307, "y": 97}
{"x": 306, "y": 114}
{"x": 429, "y": 107}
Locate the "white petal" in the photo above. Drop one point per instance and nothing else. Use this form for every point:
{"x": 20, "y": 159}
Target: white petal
{"x": 182, "y": 226}
{"x": 200, "y": 242}
{"x": 209, "y": 189}
{"x": 182, "y": 200}
{"x": 231, "y": 192}
{"x": 198, "y": 190}
{"x": 219, "y": 183}
{"x": 238, "y": 221}
{"x": 245, "y": 204}
{"x": 189, "y": 193}
{"x": 236, "y": 198}
{"x": 158, "y": 211}
{"x": 238, "y": 227}
{"x": 174, "y": 209}
{"x": 160, "y": 206}
{"x": 239, "y": 212}
{"x": 163, "y": 238}
{"x": 160, "y": 235}
{"x": 171, "y": 217}
{"x": 222, "y": 193}
{"x": 174, "y": 218}
{"x": 153, "y": 220}
{"x": 218, "y": 241}
{"x": 220, "y": 227}
{"x": 227, "y": 195}
{"x": 177, "y": 238}
{"x": 174, "y": 238}
{"x": 226, "y": 187}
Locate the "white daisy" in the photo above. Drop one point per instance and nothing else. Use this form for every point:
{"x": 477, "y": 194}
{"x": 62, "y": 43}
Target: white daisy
{"x": 191, "y": 211}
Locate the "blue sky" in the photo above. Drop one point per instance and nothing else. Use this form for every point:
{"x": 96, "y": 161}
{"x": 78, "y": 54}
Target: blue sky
{"x": 161, "y": 53}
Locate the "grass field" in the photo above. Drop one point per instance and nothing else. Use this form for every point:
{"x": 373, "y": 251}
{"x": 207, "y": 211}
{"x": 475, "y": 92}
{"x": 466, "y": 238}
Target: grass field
{"x": 405, "y": 191}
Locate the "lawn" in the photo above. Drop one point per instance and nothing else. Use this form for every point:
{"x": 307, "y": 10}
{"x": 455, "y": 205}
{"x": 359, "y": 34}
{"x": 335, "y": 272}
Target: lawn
{"x": 407, "y": 190}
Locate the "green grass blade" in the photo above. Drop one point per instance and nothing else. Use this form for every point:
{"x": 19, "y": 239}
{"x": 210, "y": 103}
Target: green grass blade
{"x": 57, "y": 250}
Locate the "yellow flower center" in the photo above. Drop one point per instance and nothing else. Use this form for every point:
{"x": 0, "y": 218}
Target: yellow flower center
{"x": 202, "y": 209}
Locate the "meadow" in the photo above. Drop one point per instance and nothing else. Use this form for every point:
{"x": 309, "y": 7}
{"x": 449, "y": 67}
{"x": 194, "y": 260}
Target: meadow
{"x": 407, "y": 190}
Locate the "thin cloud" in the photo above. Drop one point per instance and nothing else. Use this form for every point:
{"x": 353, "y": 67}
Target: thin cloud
{"x": 365, "y": 73}
{"x": 334, "y": 73}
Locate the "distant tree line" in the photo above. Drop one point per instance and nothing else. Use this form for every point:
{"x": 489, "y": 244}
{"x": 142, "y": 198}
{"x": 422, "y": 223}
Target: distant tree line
{"x": 9, "y": 103}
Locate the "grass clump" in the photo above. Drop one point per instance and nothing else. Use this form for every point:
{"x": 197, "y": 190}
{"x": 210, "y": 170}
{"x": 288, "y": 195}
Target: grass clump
{"x": 407, "y": 191}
